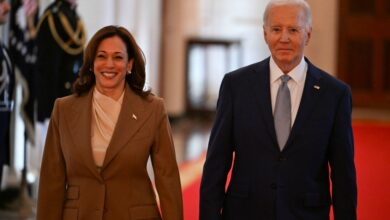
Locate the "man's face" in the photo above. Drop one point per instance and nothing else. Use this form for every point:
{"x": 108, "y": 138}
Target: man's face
{"x": 286, "y": 34}
{"x": 4, "y": 10}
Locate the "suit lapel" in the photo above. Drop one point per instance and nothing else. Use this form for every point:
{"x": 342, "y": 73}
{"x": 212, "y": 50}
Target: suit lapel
{"x": 262, "y": 92}
{"x": 131, "y": 118}
{"x": 260, "y": 83}
{"x": 311, "y": 92}
{"x": 79, "y": 125}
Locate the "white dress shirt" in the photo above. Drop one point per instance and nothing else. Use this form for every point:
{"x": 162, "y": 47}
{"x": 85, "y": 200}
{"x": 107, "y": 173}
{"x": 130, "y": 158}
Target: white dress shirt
{"x": 295, "y": 85}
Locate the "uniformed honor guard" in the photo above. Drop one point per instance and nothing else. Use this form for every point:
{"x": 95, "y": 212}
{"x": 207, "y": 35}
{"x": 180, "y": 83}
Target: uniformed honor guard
{"x": 60, "y": 41}
{"x": 7, "y": 81}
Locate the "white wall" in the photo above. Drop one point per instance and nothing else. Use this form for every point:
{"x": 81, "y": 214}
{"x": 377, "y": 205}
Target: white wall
{"x": 322, "y": 49}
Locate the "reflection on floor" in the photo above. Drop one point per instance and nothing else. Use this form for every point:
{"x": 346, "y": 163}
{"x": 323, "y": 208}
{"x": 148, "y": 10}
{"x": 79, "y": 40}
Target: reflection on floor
{"x": 191, "y": 134}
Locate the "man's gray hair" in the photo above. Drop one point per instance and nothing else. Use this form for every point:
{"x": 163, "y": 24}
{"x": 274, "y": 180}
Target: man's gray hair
{"x": 301, "y": 3}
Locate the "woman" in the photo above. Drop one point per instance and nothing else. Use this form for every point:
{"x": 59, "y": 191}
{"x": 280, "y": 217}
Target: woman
{"x": 99, "y": 141}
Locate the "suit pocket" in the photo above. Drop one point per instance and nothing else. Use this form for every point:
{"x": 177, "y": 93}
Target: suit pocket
{"x": 316, "y": 200}
{"x": 145, "y": 212}
{"x": 70, "y": 214}
{"x": 72, "y": 192}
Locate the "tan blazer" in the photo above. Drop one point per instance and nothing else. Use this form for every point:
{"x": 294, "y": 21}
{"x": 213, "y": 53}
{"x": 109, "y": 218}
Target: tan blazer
{"x": 72, "y": 188}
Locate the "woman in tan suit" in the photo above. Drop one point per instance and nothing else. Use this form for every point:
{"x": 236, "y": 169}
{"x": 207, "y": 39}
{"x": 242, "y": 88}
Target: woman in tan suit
{"x": 100, "y": 138}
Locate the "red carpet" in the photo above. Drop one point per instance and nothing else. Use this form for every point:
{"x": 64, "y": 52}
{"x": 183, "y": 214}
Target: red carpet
{"x": 372, "y": 147}
{"x": 372, "y": 158}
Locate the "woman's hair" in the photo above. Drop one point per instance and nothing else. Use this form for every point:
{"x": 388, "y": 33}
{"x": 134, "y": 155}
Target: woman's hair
{"x": 136, "y": 80}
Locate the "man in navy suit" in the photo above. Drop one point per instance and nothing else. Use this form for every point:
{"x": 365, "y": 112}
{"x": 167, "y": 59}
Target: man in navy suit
{"x": 284, "y": 162}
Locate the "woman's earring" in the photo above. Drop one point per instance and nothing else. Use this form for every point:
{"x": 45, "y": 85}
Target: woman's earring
{"x": 128, "y": 72}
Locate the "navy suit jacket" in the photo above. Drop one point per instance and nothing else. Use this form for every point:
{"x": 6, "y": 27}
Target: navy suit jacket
{"x": 267, "y": 183}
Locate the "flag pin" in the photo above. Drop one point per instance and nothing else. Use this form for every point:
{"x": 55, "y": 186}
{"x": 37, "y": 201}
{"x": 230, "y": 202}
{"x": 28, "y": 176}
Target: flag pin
{"x": 317, "y": 87}
{"x": 134, "y": 116}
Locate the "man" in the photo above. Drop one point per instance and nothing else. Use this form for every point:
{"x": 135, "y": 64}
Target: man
{"x": 60, "y": 41}
{"x": 284, "y": 122}
{"x": 7, "y": 81}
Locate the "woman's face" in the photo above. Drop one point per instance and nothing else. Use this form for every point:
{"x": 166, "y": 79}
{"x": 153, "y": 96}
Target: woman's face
{"x": 110, "y": 66}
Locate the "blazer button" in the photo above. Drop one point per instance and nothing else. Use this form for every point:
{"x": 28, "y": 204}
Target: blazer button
{"x": 274, "y": 186}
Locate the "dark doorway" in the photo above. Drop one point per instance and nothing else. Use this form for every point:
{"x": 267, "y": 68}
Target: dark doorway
{"x": 208, "y": 60}
{"x": 364, "y": 50}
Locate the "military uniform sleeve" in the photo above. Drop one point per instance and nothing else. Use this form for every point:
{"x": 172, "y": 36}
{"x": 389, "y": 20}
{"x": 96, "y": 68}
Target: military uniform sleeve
{"x": 47, "y": 76}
